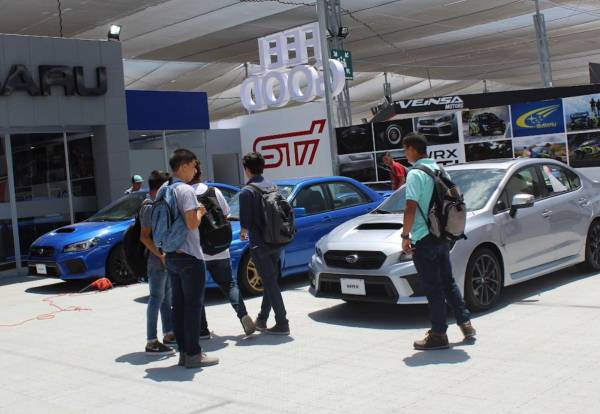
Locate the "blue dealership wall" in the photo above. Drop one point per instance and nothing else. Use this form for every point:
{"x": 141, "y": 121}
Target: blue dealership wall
{"x": 166, "y": 110}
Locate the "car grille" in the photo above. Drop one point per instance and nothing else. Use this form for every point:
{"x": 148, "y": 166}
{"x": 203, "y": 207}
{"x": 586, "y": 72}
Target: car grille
{"x": 426, "y": 122}
{"x": 41, "y": 251}
{"x": 364, "y": 259}
{"x": 378, "y": 288}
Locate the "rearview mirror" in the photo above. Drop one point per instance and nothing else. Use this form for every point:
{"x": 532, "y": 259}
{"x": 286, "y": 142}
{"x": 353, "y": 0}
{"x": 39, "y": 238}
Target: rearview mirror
{"x": 299, "y": 212}
{"x": 520, "y": 201}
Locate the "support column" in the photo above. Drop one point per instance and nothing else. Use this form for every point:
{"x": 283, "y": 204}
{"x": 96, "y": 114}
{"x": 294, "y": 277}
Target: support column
{"x": 542, "y": 46}
{"x": 13, "y": 201}
{"x": 334, "y": 22}
{"x": 68, "y": 169}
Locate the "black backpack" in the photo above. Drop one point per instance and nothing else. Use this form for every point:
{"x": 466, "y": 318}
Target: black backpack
{"x": 136, "y": 254}
{"x": 215, "y": 229}
{"x": 447, "y": 214}
{"x": 276, "y": 215}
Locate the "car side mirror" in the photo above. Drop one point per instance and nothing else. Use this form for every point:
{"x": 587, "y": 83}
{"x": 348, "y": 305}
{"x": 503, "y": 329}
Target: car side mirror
{"x": 299, "y": 212}
{"x": 520, "y": 201}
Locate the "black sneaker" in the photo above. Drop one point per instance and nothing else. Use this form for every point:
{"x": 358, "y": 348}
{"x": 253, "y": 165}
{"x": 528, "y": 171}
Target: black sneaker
{"x": 158, "y": 348}
{"x": 278, "y": 329}
{"x": 260, "y": 325}
{"x": 205, "y": 334}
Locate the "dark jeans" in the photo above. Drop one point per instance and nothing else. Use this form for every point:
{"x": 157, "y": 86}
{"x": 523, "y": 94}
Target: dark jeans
{"x": 432, "y": 260}
{"x": 187, "y": 283}
{"x": 221, "y": 274}
{"x": 267, "y": 265}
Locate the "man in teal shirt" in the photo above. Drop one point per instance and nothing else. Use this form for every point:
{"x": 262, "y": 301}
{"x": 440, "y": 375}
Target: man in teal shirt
{"x": 431, "y": 255}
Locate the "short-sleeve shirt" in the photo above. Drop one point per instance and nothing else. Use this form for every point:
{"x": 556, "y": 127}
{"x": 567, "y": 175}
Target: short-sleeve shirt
{"x": 154, "y": 264}
{"x": 200, "y": 189}
{"x": 186, "y": 201}
{"x": 419, "y": 188}
{"x": 396, "y": 172}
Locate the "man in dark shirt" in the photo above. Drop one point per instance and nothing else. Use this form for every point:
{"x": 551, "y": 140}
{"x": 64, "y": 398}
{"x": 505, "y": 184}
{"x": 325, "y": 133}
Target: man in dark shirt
{"x": 265, "y": 257}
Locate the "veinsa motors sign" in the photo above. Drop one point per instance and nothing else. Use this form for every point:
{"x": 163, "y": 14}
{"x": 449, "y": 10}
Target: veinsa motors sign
{"x": 70, "y": 78}
{"x": 538, "y": 118}
{"x": 284, "y": 68}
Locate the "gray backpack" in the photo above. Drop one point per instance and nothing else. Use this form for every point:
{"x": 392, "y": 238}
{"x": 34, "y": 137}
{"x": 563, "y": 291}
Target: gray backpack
{"x": 447, "y": 214}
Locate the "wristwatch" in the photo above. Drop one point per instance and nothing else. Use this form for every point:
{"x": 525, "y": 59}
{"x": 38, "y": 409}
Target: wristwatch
{"x": 405, "y": 236}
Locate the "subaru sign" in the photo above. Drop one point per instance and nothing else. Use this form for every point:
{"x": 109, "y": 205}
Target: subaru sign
{"x": 538, "y": 118}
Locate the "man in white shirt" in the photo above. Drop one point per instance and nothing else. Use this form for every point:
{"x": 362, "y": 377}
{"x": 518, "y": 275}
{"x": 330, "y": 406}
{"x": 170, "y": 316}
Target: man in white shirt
{"x": 219, "y": 266}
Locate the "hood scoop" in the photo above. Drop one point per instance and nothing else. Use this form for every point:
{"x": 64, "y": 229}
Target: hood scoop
{"x": 65, "y": 230}
{"x": 380, "y": 226}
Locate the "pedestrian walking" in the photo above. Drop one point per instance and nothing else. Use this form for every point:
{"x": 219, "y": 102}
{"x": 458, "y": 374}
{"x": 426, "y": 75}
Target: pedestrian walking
{"x": 219, "y": 262}
{"x": 397, "y": 171}
{"x": 176, "y": 215}
{"x": 158, "y": 278}
{"x": 266, "y": 257}
{"x": 431, "y": 255}
{"x": 136, "y": 184}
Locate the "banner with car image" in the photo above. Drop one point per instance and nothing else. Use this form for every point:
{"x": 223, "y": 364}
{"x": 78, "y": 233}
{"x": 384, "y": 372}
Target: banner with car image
{"x": 552, "y": 146}
{"x": 489, "y": 150}
{"x": 584, "y": 149}
{"x": 486, "y": 124}
{"x": 582, "y": 113}
{"x": 439, "y": 128}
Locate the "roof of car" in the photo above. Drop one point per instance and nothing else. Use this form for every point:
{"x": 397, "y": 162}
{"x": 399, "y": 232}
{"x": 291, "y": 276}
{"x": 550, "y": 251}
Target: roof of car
{"x": 296, "y": 181}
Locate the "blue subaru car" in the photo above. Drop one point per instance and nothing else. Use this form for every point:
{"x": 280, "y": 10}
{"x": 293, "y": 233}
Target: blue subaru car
{"x": 93, "y": 248}
{"x": 320, "y": 205}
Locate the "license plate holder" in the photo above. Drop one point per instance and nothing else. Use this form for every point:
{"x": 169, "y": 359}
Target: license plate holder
{"x": 353, "y": 287}
{"x": 41, "y": 269}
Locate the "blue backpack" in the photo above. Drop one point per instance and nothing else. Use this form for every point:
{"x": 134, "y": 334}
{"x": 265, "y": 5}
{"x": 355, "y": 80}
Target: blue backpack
{"x": 169, "y": 230}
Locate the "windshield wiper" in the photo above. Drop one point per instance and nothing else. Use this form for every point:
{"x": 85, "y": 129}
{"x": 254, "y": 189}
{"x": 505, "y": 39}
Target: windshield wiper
{"x": 380, "y": 211}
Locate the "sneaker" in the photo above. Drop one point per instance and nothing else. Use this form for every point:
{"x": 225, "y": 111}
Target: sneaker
{"x": 260, "y": 325}
{"x": 467, "y": 330}
{"x": 158, "y": 348}
{"x": 205, "y": 334}
{"x": 279, "y": 329}
{"x": 200, "y": 360}
{"x": 169, "y": 339}
{"x": 181, "y": 362}
{"x": 432, "y": 340}
{"x": 248, "y": 324}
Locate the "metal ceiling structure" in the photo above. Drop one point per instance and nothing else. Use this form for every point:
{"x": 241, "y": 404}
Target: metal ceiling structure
{"x": 427, "y": 47}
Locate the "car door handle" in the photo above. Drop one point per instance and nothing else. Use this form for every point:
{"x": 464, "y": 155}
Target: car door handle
{"x": 583, "y": 202}
{"x": 547, "y": 213}
{"x": 327, "y": 219}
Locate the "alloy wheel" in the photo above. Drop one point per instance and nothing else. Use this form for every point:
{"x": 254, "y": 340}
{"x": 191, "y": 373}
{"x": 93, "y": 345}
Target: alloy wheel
{"x": 594, "y": 245}
{"x": 253, "y": 276}
{"x": 486, "y": 280}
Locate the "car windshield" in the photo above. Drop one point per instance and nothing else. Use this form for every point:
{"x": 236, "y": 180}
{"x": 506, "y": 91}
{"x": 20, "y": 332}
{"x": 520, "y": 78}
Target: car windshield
{"x": 476, "y": 185}
{"x": 124, "y": 208}
{"x": 234, "y": 204}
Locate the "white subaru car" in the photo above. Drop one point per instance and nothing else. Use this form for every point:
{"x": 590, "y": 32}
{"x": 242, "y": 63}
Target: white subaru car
{"x": 526, "y": 218}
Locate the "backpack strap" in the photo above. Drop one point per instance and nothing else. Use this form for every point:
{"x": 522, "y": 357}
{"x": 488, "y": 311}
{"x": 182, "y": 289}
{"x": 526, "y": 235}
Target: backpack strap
{"x": 259, "y": 190}
{"x": 433, "y": 176}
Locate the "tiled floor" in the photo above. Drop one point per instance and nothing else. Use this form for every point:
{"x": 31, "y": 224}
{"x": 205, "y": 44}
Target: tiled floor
{"x": 536, "y": 353}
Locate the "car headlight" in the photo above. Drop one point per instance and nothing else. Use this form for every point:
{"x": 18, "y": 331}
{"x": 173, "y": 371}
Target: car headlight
{"x": 81, "y": 245}
{"x": 446, "y": 118}
{"x": 405, "y": 257}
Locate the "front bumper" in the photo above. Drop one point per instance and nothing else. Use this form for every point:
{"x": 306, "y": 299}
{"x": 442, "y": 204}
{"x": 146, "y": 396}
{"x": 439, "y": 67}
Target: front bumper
{"x": 397, "y": 284}
{"x": 70, "y": 266}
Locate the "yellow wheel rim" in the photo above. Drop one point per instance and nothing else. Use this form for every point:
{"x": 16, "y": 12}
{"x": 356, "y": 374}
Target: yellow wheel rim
{"x": 254, "y": 278}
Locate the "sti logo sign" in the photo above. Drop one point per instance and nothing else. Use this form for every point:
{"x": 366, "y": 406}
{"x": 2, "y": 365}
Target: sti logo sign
{"x": 297, "y": 148}
{"x": 284, "y": 66}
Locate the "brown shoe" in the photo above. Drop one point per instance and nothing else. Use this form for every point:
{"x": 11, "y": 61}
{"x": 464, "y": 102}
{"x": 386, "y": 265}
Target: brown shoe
{"x": 432, "y": 341}
{"x": 467, "y": 330}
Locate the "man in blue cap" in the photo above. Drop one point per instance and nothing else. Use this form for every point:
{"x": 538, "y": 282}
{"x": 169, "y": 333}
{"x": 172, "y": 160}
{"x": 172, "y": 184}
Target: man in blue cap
{"x": 136, "y": 184}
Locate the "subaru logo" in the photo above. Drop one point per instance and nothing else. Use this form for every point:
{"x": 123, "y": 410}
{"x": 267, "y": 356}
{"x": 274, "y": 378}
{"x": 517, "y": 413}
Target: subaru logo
{"x": 40, "y": 251}
{"x": 352, "y": 258}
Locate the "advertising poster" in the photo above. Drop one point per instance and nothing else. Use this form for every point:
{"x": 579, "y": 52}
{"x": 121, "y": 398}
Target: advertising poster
{"x": 447, "y": 154}
{"x": 361, "y": 167}
{"x": 354, "y": 139}
{"x": 388, "y": 135}
{"x": 538, "y": 118}
{"x": 294, "y": 142}
{"x": 439, "y": 128}
{"x": 486, "y": 124}
{"x": 582, "y": 113}
{"x": 584, "y": 149}
{"x": 543, "y": 146}
{"x": 489, "y": 150}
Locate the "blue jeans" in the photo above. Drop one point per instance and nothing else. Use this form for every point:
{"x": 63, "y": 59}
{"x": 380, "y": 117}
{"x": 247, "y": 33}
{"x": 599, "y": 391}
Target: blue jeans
{"x": 221, "y": 274}
{"x": 160, "y": 300}
{"x": 267, "y": 265}
{"x": 432, "y": 260}
{"x": 187, "y": 281}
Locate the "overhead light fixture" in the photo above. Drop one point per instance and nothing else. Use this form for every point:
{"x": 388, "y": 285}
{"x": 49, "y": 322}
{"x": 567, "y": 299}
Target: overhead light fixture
{"x": 114, "y": 33}
{"x": 343, "y": 32}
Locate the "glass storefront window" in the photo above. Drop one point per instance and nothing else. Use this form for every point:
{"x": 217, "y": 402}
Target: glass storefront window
{"x": 81, "y": 164}
{"x": 7, "y": 248}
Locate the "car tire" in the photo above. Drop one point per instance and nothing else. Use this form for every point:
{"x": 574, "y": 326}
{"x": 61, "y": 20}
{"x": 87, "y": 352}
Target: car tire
{"x": 592, "y": 247}
{"x": 248, "y": 276}
{"x": 483, "y": 280}
{"x": 117, "y": 270}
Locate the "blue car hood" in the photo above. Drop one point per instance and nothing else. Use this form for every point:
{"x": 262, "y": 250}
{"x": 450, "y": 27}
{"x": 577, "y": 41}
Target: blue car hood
{"x": 84, "y": 231}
